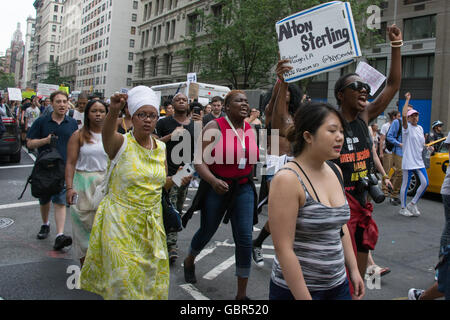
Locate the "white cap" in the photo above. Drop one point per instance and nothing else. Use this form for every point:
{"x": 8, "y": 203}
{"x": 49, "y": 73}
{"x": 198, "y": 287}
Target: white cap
{"x": 142, "y": 96}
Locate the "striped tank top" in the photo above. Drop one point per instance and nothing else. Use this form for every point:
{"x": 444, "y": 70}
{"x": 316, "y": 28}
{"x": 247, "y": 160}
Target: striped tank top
{"x": 317, "y": 244}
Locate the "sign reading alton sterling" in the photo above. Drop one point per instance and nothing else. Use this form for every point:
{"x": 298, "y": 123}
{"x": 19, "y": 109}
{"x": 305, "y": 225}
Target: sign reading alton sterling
{"x": 318, "y": 40}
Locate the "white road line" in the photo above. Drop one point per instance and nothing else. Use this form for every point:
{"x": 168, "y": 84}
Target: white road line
{"x": 18, "y": 205}
{"x": 220, "y": 268}
{"x": 204, "y": 253}
{"x": 30, "y": 154}
{"x": 193, "y": 291}
{"x": 268, "y": 256}
{"x": 18, "y": 167}
{"x": 226, "y": 244}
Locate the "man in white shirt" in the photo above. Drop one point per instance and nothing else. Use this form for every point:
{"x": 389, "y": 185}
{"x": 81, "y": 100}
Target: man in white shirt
{"x": 78, "y": 113}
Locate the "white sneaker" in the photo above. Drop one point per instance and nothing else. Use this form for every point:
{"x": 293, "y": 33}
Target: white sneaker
{"x": 405, "y": 212}
{"x": 257, "y": 256}
{"x": 413, "y": 209}
{"x": 414, "y": 294}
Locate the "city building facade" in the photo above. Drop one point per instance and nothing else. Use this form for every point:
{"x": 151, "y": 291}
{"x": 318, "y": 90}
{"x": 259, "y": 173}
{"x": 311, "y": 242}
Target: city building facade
{"x": 106, "y": 45}
{"x": 47, "y": 38}
{"x": 28, "y": 52}
{"x": 14, "y": 56}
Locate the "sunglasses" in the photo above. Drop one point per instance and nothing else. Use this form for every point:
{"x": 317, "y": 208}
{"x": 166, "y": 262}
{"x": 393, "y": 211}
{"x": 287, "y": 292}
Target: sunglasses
{"x": 357, "y": 86}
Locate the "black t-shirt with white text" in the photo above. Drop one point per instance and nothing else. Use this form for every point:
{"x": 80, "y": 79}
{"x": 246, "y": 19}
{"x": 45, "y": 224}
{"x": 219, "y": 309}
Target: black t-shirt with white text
{"x": 355, "y": 160}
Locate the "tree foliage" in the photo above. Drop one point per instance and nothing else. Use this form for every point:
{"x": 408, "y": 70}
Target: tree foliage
{"x": 54, "y": 75}
{"x": 7, "y": 80}
{"x": 238, "y": 43}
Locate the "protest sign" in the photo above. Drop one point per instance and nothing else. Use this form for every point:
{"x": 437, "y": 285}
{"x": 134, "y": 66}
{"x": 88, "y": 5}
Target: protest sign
{"x": 318, "y": 40}
{"x": 14, "y": 94}
{"x": 46, "y": 90}
{"x": 191, "y": 77}
{"x": 370, "y": 75}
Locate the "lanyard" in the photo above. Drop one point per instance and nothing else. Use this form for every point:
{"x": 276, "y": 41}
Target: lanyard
{"x": 237, "y": 135}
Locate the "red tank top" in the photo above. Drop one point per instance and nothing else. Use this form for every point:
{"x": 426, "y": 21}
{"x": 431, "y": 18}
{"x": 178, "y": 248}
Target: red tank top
{"x": 228, "y": 152}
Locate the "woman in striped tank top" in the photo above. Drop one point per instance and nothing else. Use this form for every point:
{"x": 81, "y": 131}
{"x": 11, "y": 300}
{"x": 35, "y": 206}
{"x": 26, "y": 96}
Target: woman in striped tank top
{"x": 308, "y": 221}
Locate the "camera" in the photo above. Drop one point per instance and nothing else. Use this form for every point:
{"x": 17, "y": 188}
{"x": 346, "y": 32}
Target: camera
{"x": 370, "y": 184}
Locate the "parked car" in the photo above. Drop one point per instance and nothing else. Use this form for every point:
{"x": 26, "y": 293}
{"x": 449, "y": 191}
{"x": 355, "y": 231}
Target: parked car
{"x": 10, "y": 144}
{"x": 436, "y": 172}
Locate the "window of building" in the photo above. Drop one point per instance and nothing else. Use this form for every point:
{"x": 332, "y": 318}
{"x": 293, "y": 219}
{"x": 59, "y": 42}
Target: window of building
{"x": 172, "y": 30}
{"x": 135, "y": 4}
{"x": 54, "y": 28}
{"x": 130, "y": 56}
{"x": 134, "y": 17}
{"x": 168, "y": 64}
{"x": 131, "y": 43}
{"x": 194, "y": 23}
{"x": 421, "y": 66}
{"x": 419, "y": 28}
{"x": 167, "y": 31}
{"x": 130, "y": 69}
{"x": 380, "y": 64}
{"x": 129, "y": 82}
{"x": 133, "y": 30}
{"x": 154, "y": 65}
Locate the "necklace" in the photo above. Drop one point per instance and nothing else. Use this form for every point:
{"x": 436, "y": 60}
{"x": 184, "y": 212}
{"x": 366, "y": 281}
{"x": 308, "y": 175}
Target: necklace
{"x": 151, "y": 141}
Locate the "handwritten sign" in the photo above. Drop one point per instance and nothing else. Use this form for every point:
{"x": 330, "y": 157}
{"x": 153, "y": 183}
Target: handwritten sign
{"x": 372, "y": 76}
{"x": 318, "y": 40}
{"x": 46, "y": 90}
{"x": 14, "y": 94}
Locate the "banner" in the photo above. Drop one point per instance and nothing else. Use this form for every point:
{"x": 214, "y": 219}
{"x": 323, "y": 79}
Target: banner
{"x": 28, "y": 94}
{"x": 318, "y": 40}
{"x": 46, "y": 90}
{"x": 14, "y": 94}
{"x": 372, "y": 76}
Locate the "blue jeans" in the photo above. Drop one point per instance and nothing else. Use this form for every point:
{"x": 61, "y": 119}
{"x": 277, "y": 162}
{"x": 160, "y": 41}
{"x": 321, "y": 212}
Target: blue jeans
{"x": 341, "y": 292}
{"x": 241, "y": 222}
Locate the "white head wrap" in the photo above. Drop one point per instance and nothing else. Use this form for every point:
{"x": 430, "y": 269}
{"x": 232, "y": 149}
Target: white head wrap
{"x": 142, "y": 96}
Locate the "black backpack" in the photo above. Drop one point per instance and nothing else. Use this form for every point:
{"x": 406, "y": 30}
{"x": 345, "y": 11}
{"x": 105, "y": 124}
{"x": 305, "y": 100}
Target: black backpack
{"x": 390, "y": 146}
{"x": 47, "y": 178}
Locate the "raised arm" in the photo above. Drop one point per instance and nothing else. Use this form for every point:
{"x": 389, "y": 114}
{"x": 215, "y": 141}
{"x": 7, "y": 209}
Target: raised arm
{"x": 280, "y": 113}
{"x": 405, "y": 111}
{"x": 375, "y": 108}
{"x": 112, "y": 140}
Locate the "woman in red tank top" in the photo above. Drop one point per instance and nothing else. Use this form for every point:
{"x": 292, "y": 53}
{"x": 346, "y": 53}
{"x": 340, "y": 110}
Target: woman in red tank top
{"x": 226, "y": 189}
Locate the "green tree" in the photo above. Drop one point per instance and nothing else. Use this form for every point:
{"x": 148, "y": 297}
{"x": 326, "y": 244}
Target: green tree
{"x": 239, "y": 42}
{"x": 7, "y": 80}
{"x": 54, "y": 75}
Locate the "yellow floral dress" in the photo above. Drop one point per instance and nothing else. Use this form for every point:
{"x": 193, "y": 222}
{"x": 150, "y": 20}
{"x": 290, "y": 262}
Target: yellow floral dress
{"x": 127, "y": 256}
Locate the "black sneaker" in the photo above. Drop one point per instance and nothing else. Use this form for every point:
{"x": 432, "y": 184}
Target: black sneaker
{"x": 61, "y": 242}
{"x": 189, "y": 274}
{"x": 43, "y": 233}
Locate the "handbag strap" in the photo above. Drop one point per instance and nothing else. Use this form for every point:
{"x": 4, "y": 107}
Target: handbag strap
{"x": 115, "y": 160}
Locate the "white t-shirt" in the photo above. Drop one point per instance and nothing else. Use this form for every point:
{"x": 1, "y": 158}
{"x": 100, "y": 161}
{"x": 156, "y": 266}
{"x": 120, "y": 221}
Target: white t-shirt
{"x": 92, "y": 156}
{"x": 445, "y": 189}
{"x": 384, "y": 130}
{"x": 79, "y": 117}
{"x": 32, "y": 114}
{"x": 413, "y": 141}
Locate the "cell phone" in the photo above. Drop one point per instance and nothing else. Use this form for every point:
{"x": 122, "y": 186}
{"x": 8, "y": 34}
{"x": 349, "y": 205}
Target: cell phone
{"x": 75, "y": 199}
{"x": 197, "y": 110}
{"x": 186, "y": 171}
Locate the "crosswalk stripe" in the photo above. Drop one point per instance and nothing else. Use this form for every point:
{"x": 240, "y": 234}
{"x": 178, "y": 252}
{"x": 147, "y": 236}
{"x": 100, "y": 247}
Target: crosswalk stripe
{"x": 193, "y": 291}
{"x": 18, "y": 205}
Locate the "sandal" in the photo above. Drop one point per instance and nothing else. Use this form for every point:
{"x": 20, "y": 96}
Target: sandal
{"x": 375, "y": 269}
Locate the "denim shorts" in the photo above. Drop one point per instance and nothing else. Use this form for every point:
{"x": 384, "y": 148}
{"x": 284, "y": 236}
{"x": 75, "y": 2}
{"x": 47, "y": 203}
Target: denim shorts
{"x": 59, "y": 198}
{"x": 341, "y": 292}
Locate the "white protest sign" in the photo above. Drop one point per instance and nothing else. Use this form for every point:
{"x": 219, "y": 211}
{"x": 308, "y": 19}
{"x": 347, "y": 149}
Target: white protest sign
{"x": 191, "y": 77}
{"x": 46, "y": 90}
{"x": 371, "y": 75}
{"x": 318, "y": 40}
{"x": 14, "y": 94}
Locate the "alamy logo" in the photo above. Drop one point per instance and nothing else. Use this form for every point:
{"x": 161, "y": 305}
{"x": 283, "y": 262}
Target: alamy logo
{"x": 373, "y": 278}
{"x": 374, "y": 20}
{"x": 73, "y": 281}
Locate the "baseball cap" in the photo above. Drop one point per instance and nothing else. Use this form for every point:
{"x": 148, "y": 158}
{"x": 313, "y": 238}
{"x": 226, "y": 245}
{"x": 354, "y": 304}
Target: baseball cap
{"x": 437, "y": 123}
{"x": 411, "y": 112}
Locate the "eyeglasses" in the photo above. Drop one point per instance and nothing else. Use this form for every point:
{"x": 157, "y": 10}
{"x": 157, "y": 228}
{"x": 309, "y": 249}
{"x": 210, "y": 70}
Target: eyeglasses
{"x": 143, "y": 116}
{"x": 357, "y": 86}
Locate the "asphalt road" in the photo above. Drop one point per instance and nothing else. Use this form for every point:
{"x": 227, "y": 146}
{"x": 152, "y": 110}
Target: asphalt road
{"x": 30, "y": 269}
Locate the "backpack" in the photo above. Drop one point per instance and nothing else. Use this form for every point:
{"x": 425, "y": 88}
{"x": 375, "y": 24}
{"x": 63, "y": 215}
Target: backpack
{"x": 47, "y": 177}
{"x": 390, "y": 146}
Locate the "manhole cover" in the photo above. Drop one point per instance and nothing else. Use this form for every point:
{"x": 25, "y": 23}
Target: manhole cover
{"x": 5, "y": 222}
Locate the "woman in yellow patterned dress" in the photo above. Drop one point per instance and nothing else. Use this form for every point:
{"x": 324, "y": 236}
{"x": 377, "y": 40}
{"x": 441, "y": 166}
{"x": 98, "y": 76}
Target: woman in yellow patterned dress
{"x": 127, "y": 255}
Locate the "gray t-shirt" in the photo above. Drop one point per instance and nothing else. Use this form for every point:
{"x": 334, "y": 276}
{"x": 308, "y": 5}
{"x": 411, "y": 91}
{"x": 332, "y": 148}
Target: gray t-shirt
{"x": 445, "y": 189}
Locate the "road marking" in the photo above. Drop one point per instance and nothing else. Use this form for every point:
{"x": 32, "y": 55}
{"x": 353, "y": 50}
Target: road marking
{"x": 226, "y": 244}
{"x": 193, "y": 291}
{"x": 18, "y": 167}
{"x": 220, "y": 268}
{"x": 18, "y": 205}
{"x": 30, "y": 154}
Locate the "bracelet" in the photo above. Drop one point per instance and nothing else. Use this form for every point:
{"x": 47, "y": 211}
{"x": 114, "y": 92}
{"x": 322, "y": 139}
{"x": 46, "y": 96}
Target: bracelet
{"x": 397, "y": 44}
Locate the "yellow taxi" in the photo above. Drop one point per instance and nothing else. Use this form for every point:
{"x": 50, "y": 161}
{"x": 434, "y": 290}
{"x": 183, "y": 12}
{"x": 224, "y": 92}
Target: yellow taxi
{"x": 436, "y": 171}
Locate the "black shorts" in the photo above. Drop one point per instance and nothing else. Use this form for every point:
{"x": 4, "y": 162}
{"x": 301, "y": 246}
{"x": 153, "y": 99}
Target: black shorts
{"x": 359, "y": 240}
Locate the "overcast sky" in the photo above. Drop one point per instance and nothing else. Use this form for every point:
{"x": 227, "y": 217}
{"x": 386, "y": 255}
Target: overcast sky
{"x": 12, "y": 12}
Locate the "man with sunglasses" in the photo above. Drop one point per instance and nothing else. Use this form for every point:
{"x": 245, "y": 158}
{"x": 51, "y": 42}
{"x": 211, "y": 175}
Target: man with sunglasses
{"x": 356, "y": 161}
